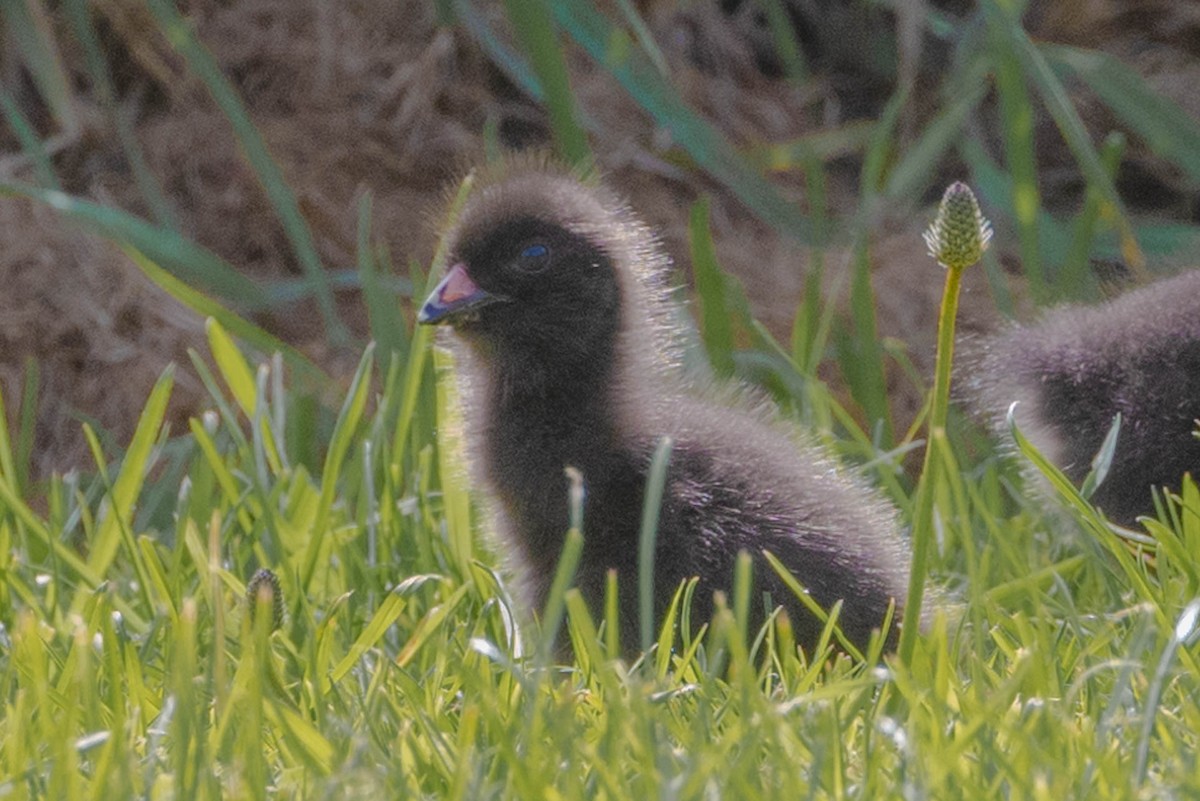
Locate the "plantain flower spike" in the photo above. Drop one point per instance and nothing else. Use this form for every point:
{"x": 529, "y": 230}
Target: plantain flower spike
{"x": 266, "y": 583}
{"x": 960, "y": 234}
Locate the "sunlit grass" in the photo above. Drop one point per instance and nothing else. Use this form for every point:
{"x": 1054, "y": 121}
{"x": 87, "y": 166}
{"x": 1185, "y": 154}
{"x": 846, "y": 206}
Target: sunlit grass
{"x": 1062, "y": 665}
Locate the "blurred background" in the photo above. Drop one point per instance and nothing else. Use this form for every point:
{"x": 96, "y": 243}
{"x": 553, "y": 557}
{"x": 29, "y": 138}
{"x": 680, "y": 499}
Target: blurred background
{"x": 282, "y": 164}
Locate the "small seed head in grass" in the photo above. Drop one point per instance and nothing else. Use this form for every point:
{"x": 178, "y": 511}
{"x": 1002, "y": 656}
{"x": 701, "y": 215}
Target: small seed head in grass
{"x": 264, "y": 582}
{"x": 960, "y": 234}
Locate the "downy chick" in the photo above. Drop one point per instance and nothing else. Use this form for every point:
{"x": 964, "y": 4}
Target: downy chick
{"x": 1079, "y": 366}
{"x": 556, "y": 291}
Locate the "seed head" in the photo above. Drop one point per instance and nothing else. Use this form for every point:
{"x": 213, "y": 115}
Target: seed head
{"x": 266, "y": 582}
{"x": 960, "y": 234}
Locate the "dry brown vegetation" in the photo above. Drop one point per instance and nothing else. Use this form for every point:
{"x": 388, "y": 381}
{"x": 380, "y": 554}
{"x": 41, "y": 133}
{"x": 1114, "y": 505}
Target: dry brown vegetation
{"x": 373, "y": 96}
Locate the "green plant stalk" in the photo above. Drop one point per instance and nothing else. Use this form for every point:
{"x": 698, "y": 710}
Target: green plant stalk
{"x": 715, "y": 313}
{"x": 783, "y": 34}
{"x": 121, "y": 122}
{"x": 8, "y": 469}
{"x": 35, "y": 149}
{"x": 26, "y": 421}
{"x": 870, "y": 384}
{"x": 386, "y": 326}
{"x": 655, "y": 484}
{"x": 583, "y": 22}
{"x": 865, "y": 364}
{"x": 1075, "y": 280}
{"x": 1168, "y": 130}
{"x": 29, "y": 27}
{"x": 922, "y": 533}
{"x": 1054, "y": 94}
{"x": 418, "y": 345}
{"x": 185, "y": 260}
{"x": 564, "y": 575}
{"x": 1017, "y": 134}
{"x": 810, "y": 329}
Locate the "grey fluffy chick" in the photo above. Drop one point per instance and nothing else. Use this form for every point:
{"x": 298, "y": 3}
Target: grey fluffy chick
{"x": 555, "y": 290}
{"x": 1073, "y": 371}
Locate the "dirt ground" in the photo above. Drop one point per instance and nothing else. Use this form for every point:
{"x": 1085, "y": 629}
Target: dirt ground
{"x": 373, "y": 96}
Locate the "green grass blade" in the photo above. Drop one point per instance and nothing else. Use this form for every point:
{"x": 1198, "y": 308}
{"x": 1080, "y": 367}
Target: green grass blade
{"x": 37, "y": 527}
{"x": 787, "y": 45}
{"x": 1039, "y": 73}
{"x": 31, "y": 29}
{"x": 666, "y": 631}
{"x": 1102, "y": 460}
{"x": 656, "y": 482}
{"x": 585, "y": 640}
{"x": 823, "y": 145}
{"x": 712, "y": 152}
{"x": 123, "y": 530}
{"x": 8, "y": 469}
{"x": 281, "y": 291}
{"x": 310, "y": 745}
{"x": 414, "y": 366}
{"x": 995, "y": 189}
{"x": 716, "y": 324}
{"x": 121, "y": 122}
{"x": 310, "y": 375}
{"x": 612, "y": 616}
{"x": 1166, "y": 128}
{"x": 1095, "y": 523}
{"x": 596, "y": 34}
{"x": 802, "y": 595}
{"x": 644, "y": 37}
{"x": 811, "y": 326}
{"x": 429, "y": 625}
{"x": 33, "y": 147}
{"x": 387, "y": 613}
{"x": 556, "y": 604}
{"x": 743, "y": 582}
{"x": 1075, "y": 279}
{"x": 184, "y": 259}
{"x": 233, "y": 367}
{"x": 1183, "y": 633}
{"x": 118, "y": 509}
{"x": 1016, "y": 128}
{"x": 913, "y": 173}
{"x": 220, "y": 472}
{"x": 479, "y": 26}
{"x": 27, "y": 422}
{"x": 386, "y": 321}
{"x": 456, "y": 501}
{"x": 862, "y": 357}
{"x": 535, "y": 30}
{"x": 343, "y": 438}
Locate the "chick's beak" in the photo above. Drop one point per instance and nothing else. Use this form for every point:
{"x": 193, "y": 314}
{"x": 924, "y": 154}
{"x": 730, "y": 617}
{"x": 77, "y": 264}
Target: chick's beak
{"x": 456, "y": 295}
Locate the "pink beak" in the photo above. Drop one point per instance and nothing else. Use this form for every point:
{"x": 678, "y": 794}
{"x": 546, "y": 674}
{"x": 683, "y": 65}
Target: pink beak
{"x": 456, "y": 293}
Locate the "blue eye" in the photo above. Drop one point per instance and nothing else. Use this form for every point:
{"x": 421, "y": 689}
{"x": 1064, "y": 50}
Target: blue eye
{"x": 534, "y": 257}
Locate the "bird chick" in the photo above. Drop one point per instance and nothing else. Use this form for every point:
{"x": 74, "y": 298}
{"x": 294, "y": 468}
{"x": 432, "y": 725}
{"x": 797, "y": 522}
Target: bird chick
{"x": 1079, "y": 366}
{"x": 556, "y": 291}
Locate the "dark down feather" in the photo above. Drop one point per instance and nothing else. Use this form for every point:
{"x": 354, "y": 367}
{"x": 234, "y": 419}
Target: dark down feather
{"x": 555, "y": 289}
{"x": 1072, "y": 372}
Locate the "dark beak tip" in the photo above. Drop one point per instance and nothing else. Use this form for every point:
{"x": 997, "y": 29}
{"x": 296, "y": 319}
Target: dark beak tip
{"x": 454, "y": 294}
{"x": 431, "y": 313}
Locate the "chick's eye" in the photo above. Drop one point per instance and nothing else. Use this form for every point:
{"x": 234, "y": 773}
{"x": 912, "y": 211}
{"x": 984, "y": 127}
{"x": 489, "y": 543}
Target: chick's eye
{"x": 534, "y": 257}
